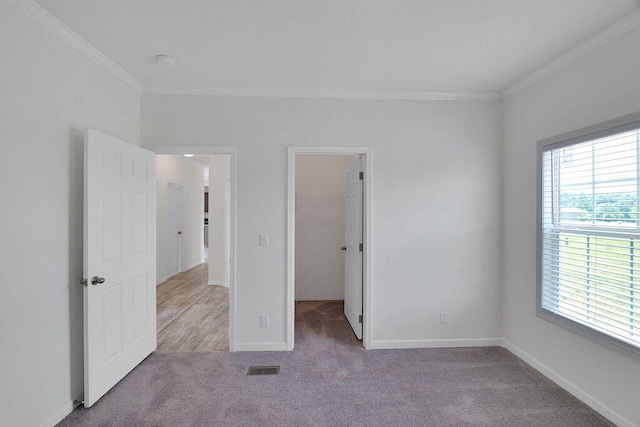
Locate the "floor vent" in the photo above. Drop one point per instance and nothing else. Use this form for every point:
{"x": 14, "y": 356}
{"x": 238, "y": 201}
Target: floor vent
{"x": 264, "y": 370}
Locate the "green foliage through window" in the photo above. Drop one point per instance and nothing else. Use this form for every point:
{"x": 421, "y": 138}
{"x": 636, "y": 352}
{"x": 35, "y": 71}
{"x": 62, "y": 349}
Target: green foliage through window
{"x": 618, "y": 208}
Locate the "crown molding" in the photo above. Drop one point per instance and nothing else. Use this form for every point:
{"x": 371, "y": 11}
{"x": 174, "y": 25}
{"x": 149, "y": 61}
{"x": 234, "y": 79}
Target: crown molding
{"x": 624, "y": 25}
{"x": 323, "y": 94}
{"x": 40, "y": 15}
{"x": 44, "y": 18}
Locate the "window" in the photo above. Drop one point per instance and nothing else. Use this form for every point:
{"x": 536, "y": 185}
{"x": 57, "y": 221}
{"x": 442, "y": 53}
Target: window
{"x": 589, "y": 232}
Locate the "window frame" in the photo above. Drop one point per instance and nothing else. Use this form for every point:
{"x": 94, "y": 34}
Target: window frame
{"x": 600, "y": 130}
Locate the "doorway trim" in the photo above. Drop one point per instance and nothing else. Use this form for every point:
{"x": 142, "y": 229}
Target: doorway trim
{"x": 367, "y": 167}
{"x": 232, "y": 152}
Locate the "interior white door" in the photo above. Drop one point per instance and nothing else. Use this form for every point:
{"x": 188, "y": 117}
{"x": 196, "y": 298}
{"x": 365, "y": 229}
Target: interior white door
{"x": 174, "y": 227}
{"x": 120, "y": 256}
{"x": 353, "y": 244}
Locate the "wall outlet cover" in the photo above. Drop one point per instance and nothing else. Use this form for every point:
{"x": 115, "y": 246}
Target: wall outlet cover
{"x": 444, "y": 317}
{"x": 264, "y": 321}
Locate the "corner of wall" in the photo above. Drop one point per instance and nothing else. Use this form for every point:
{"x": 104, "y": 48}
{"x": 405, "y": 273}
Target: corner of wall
{"x": 567, "y": 385}
{"x": 63, "y": 412}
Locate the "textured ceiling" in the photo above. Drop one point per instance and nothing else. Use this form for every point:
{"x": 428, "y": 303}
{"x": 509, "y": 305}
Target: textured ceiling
{"x": 336, "y": 45}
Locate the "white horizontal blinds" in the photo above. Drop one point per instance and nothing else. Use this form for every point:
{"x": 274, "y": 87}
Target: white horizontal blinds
{"x": 591, "y": 234}
{"x": 598, "y": 181}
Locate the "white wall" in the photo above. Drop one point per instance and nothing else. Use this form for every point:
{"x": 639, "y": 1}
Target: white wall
{"x": 601, "y": 86}
{"x": 48, "y": 94}
{"x": 436, "y": 203}
{"x": 320, "y": 188}
{"x": 191, "y": 176}
{"x": 219, "y": 173}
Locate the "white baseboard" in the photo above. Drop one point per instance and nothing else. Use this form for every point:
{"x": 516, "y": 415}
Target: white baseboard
{"x": 262, "y": 346}
{"x": 61, "y": 413}
{"x": 189, "y": 267}
{"x": 567, "y": 385}
{"x": 464, "y": 342}
{"x": 217, "y": 283}
{"x": 320, "y": 299}
{"x": 160, "y": 281}
{"x": 561, "y": 381}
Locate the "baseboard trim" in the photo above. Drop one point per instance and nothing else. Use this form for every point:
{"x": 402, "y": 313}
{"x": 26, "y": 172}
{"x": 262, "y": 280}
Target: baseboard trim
{"x": 320, "y": 299}
{"x": 261, "y": 346}
{"x": 567, "y": 385}
{"x": 61, "y": 413}
{"x": 561, "y": 381}
{"x": 464, "y": 342}
{"x": 197, "y": 263}
{"x": 217, "y": 283}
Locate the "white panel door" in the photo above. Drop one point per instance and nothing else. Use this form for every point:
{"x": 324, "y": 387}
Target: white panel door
{"x": 120, "y": 256}
{"x": 174, "y": 227}
{"x": 353, "y": 241}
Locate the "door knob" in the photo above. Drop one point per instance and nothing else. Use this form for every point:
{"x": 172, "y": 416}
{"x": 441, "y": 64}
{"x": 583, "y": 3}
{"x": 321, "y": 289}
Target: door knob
{"x": 95, "y": 280}
{"x": 343, "y": 248}
{"x": 179, "y": 232}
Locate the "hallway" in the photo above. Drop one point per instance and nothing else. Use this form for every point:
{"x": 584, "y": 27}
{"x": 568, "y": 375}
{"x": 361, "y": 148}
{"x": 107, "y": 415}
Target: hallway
{"x": 191, "y": 315}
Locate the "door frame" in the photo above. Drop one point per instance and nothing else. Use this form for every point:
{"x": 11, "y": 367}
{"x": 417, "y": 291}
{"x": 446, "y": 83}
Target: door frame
{"x": 232, "y": 152}
{"x": 367, "y": 167}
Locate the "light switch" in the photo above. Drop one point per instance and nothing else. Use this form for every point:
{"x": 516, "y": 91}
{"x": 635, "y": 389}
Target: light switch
{"x": 263, "y": 239}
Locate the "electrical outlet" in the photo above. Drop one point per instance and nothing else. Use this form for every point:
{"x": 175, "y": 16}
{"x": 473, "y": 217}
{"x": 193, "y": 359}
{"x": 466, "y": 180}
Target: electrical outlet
{"x": 444, "y": 317}
{"x": 264, "y": 321}
{"x": 263, "y": 239}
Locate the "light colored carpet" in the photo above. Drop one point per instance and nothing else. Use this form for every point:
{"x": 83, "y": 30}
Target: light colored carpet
{"x": 330, "y": 380}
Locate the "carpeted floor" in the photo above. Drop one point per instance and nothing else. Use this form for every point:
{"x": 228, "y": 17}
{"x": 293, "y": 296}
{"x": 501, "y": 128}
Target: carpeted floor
{"x": 330, "y": 380}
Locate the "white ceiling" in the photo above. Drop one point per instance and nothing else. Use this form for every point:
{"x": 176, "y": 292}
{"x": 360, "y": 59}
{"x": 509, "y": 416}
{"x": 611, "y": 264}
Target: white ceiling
{"x": 336, "y": 45}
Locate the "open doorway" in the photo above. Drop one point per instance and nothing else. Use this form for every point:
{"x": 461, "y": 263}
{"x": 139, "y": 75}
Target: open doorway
{"x": 328, "y": 227}
{"x": 329, "y": 207}
{"x": 193, "y": 252}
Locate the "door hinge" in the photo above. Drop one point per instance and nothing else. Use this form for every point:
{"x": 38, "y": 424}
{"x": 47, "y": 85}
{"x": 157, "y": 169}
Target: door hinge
{"x": 361, "y": 247}
{"x": 361, "y": 176}
{"x": 360, "y": 319}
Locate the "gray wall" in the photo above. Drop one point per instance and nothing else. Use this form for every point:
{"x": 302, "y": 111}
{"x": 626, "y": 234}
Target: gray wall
{"x": 600, "y": 86}
{"x": 436, "y": 204}
{"x": 49, "y": 93}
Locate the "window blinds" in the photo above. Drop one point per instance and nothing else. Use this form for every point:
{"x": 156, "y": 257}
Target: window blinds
{"x": 590, "y": 260}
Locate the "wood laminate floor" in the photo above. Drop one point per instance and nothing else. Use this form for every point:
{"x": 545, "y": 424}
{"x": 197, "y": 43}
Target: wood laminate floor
{"x": 191, "y": 315}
